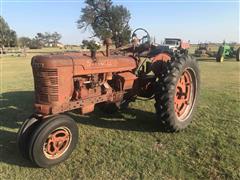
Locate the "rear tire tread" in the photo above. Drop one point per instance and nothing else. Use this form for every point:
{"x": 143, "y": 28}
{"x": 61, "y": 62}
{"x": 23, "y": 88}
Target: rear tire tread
{"x": 167, "y": 81}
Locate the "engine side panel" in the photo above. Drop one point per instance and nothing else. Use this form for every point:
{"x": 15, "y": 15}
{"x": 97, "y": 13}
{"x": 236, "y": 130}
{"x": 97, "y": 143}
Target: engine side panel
{"x": 64, "y": 82}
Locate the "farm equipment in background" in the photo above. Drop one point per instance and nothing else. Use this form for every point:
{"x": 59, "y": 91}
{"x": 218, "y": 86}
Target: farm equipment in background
{"x": 227, "y": 51}
{"x": 170, "y": 45}
{"x": 110, "y": 81}
{"x": 176, "y": 45}
{"x": 203, "y": 50}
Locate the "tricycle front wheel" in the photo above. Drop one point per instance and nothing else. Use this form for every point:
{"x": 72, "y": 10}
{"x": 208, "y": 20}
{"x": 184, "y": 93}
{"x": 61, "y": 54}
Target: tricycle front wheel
{"x": 53, "y": 141}
{"x": 47, "y": 142}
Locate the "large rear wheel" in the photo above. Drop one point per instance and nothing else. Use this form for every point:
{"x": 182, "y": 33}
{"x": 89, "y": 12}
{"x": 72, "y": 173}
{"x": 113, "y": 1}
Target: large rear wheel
{"x": 177, "y": 92}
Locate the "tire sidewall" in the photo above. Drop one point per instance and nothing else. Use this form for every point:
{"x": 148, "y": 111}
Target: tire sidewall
{"x": 42, "y": 134}
{"x": 169, "y": 74}
{"x": 24, "y": 134}
{"x": 25, "y": 125}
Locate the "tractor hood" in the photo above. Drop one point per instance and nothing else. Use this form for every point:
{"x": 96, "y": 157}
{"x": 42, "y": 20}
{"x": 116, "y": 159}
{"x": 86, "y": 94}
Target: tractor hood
{"x": 82, "y": 63}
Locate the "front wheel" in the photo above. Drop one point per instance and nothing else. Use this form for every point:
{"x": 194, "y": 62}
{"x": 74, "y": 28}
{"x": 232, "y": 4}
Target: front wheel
{"x": 53, "y": 141}
{"x": 220, "y": 54}
{"x": 177, "y": 93}
{"x": 238, "y": 54}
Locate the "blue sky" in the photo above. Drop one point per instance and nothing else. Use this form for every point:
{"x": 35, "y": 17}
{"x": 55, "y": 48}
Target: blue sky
{"x": 197, "y": 21}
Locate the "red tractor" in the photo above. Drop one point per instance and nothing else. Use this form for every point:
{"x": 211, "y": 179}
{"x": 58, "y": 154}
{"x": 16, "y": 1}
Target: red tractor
{"x": 109, "y": 80}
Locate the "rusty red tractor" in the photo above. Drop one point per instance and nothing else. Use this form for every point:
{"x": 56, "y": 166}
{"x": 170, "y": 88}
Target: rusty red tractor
{"x": 110, "y": 81}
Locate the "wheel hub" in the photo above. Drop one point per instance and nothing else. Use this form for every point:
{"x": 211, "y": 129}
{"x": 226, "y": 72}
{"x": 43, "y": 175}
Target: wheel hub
{"x": 57, "y": 143}
{"x": 183, "y": 99}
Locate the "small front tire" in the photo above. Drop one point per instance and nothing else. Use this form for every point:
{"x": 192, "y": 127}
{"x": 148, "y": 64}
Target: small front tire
{"x": 53, "y": 141}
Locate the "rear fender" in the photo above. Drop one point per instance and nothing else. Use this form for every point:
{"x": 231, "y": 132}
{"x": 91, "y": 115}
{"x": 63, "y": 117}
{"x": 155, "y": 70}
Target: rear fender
{"x": 161, "y": 57}
{"x": 159, "y": 63}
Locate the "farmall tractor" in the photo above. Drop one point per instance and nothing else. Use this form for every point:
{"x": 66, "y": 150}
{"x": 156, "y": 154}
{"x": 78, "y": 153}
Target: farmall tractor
{"x": 109, "y": 80}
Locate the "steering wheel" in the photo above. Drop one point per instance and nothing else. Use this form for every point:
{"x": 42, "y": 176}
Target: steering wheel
{"x": 143, "y": 39}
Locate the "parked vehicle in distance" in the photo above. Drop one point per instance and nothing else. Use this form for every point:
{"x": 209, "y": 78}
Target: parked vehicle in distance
{"x": 203, "y": 50}
{"x": 175, "y": 44}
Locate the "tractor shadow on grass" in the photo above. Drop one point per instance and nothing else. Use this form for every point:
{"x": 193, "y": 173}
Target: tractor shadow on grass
{"x": 15, "y": 107}
{"x": 206, "y": 59}
{"x": 129, "y": 119}
{"x": 213, "y": 60}
{"x": 9, "y": 153}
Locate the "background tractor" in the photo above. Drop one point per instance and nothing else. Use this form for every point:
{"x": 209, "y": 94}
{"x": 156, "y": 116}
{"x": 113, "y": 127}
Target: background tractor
{"x": 109, "y": 81}
{"x": 203, "y": 50}
{"x": 227, "y": 51}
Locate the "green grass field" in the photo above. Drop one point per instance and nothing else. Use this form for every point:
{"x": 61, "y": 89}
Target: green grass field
{"x": 129, "y": 144}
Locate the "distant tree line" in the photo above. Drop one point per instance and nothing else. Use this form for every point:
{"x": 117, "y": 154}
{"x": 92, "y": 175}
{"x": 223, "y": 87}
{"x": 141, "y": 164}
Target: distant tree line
{"x": 8, "y": 38}
{"x": 40, "y": 40}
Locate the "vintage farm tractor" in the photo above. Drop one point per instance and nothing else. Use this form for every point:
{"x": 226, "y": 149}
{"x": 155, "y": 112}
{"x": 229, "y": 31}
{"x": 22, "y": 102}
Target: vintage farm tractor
{"x": 203, "y": 50}
{"x": 108, "y": 80}
{"x": 227, "y": 51}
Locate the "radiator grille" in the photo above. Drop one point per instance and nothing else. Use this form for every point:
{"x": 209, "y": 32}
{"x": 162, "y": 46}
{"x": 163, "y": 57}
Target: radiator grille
{"x": 46, "y": 84}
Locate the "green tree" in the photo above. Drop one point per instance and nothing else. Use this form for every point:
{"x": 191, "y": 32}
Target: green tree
{"x": 106, "y": 20}
{"x": 46, "y": 39}
{"x": 24, "y": 42}
{"x": 4, "y": 33}
{"x": 35, "y": 44}
{"x": 12, "y": 39}
{"x": 8, "y": 37}
{"x": 40, "y": 39}
{"x": 55, "y": 38}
